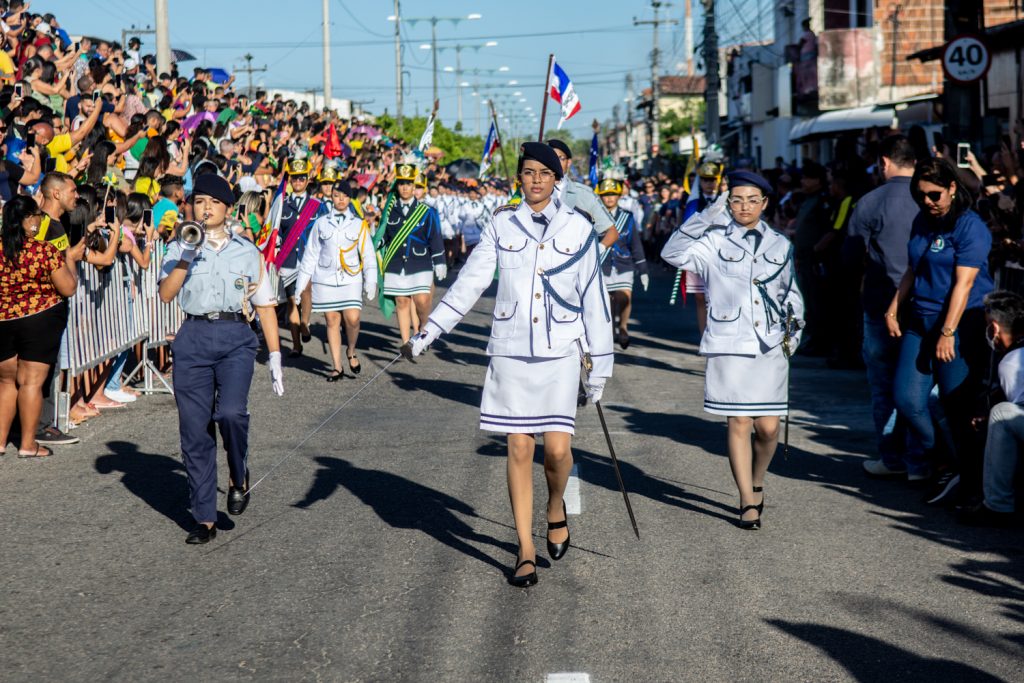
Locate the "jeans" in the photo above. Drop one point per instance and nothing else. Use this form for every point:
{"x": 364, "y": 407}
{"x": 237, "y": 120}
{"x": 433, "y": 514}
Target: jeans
{"x": 114, "y": 381}
{"x": 881, "y": 354}
{"x": 1002, "y": 454}
{"x": 918, "y": 371}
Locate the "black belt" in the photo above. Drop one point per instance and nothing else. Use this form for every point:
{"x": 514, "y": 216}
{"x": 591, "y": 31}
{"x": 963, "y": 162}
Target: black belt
{"x": 218, "y": 315}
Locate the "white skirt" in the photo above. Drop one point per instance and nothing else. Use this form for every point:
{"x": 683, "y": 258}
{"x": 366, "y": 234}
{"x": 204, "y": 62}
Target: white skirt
{"x": 337, "y": 297}
{"x": 403, "y": 284}
{"x": 619, "y": 282}
{"x": 747, "y": 385}
{"x": 530, "y": 395}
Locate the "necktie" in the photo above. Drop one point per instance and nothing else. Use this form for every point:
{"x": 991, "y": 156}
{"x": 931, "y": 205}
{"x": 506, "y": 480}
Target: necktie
{"x": 754, "y": 236}
{"x": 540, "y": 219}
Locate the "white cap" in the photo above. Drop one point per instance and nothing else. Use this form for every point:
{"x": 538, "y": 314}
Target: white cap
{"x": 247, "y": 183}
{"x": 43, "y": 27}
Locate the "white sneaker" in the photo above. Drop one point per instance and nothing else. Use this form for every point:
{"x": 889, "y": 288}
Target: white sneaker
{"x": 877, "y": 468}
{"x": 118, "y": 395}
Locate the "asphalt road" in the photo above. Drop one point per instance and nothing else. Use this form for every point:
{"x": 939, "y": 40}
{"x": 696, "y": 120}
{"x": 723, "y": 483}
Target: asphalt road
{"x": 379, "y": 551}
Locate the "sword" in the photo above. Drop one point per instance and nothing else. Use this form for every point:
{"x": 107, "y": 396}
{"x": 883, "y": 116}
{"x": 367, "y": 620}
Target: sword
{"x": 588, "y": 365}
{"x": 324, "y": 423}
{"x": 792, "y": 327}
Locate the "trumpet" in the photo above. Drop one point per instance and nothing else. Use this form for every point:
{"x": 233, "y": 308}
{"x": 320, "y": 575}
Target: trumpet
{"x": 192, "y": 234}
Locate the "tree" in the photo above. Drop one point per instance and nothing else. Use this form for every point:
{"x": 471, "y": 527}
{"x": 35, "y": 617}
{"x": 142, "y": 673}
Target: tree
{"x": 454, "y": 145}
{"x": 675, "y": 126}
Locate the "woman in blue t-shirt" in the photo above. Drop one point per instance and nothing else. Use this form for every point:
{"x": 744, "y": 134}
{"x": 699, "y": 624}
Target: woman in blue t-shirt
{"x": 943, "y": 327}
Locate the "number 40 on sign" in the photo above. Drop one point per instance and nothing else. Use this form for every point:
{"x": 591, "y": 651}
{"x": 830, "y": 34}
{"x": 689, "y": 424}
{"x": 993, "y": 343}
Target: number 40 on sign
{"x": 965, "y": 59}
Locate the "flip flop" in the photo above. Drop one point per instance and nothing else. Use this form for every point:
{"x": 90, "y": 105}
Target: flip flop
{"x": 41, "y": 452}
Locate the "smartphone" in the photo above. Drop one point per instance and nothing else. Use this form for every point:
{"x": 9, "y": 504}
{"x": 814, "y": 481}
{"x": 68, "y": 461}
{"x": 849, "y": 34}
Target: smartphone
{"x": 147, "y": 218}
{"x": 962, "y": 150}
{"x": 117, "y": 81}
{"x": 78, "y": 47}
{"x": 19, "y": 90}
{"x": 110, "y": 215}
{"x": 96, "y": 94}
{"x": 30, "y": 140}
{"x": 50, "y": 165}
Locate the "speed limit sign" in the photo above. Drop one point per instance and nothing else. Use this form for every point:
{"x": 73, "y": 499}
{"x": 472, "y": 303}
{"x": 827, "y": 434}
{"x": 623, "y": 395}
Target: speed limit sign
{"x": 965, "y": 59}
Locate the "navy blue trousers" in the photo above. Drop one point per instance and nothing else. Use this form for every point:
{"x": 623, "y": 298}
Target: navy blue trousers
{"x": 213, "y": 365}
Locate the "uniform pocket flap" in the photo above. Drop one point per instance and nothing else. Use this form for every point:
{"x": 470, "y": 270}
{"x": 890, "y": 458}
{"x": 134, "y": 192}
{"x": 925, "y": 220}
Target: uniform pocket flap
{"x": 512, "y": 246}
{"x": 724, "y": 315}
{"x": 731, "y": 255}
{"x": 504, "y": 310}
{"x": 778, "y": 258}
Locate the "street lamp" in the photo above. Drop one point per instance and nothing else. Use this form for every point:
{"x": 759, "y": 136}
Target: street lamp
{"x": 433, "y": 33}
{"x": 459, "y": 84}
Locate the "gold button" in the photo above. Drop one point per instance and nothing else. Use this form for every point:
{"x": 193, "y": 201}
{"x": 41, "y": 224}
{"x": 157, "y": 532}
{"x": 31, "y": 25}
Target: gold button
{"x": 757, "y": 324}
{"x": 756, "y": 302}
{"x": 756, "y": 282}
{"x": 537, "y": 295}
{"x": 755, "y": 260}
{"x": 535, "y": 319}
{"x": 540, "y": 271}
{"x": 542, "y": 246}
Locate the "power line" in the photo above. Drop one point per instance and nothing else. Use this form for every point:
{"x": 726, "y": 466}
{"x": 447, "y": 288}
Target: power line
{"x": 362, "y": 25}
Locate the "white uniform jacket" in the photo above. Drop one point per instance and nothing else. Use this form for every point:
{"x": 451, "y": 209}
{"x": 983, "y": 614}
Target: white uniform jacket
{"x": 537, "y": 313}
{"x": 749, "y": 292}
{"x": 335, "y": 238}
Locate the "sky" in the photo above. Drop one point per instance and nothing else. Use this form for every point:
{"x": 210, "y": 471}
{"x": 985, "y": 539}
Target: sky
{"x": 594, "y": 41}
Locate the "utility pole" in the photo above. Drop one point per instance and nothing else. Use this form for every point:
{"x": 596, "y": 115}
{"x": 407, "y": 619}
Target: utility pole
{"x": 398, "y": 68}
{"x": 895, "y": 19}
{"x": 249, "y": 69}
{"x": 655, "y": 68}
{"x": 710, "y": 52}
{"x": 688, "y": 37}
{"x": 458, "y": 86}
{"x": 433, "y": 51}
{"x": 328, "y": 92}
{"x": 163, "y": 37}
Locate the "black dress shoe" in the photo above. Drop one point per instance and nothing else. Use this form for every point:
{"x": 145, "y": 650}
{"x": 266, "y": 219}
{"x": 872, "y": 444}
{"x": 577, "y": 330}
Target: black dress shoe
{"x": 238, "y": 500}
{"x": 557, "y": 550}
{"x": 335, "y": 376}
{"x": 356, "y": 369}
{"x": 201, "y": 534}
{"x": 526, "y": 579}
{"x": 760, "y": 506}
{"x": 750, "y": 524}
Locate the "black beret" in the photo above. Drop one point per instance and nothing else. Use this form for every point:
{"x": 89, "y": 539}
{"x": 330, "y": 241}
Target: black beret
{"x": 538, "y": 151}
{"x": 345, "y": 187}
{"x": 750, "y": 179}
{"x": 554, "y": 143}
{"x": 214, "y": 186}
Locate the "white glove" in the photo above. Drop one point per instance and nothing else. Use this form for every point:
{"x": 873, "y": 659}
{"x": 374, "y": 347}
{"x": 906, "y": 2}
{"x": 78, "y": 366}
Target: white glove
{"x": 718, "y": 211}
{"x": 595, "y": 388}
{"x": 188, "y": 254}
{"x": 371, "y": 291}
{"x": 419, "y": 343}
{"x": 440, "y": 271}
{"x": 276, "y": 374}
{"x": 645, "y": 280}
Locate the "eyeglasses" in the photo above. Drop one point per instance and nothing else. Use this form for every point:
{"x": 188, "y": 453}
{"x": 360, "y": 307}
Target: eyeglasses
{"x": 934, "y": 195}
{"x": 744, "y": 201}
{"x": 544, "y": 174}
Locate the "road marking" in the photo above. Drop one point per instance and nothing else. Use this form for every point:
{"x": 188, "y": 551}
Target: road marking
{"x": 573, "y": 677}
{"x": 573, "y": 506}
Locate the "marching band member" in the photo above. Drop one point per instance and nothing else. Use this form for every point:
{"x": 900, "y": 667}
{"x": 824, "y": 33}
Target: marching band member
{"x": 710, "y": 182}
{"x": 326, "y": 180}
{"x": 756, "y": 310}
{"x": 300, "y": 303}
{"x": 341, "y": 264}
{"x": 627, "y": 258}
{"x": 215, "y": 349}
{"x": 550, "y": 308}
{"x": 473, "y": 217}
{"x": 412, "y": 251}
{"x": 579, "y": 196}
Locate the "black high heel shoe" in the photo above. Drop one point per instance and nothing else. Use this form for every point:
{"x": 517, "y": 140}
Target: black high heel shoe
{"x": 335, "y": 376}
{"x": 760, "y": 506}
{"x": 749, "y": 524}
{"x": 558, "y": 550}
{"x": 526, "y": 579}
{"x": 356, "y": 369}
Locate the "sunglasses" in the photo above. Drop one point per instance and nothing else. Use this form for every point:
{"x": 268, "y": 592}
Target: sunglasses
{"x": 934, "y": 195}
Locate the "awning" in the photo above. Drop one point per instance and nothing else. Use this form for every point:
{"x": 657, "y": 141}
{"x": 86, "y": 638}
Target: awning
{"x": 842, "y": 120}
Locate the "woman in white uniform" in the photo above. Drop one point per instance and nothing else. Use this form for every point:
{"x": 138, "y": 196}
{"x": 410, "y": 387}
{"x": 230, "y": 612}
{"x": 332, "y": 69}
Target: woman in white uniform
{"x": 551, "y": 307}
{"x": 755, "y": 310}
{"x": 340, "y": 262}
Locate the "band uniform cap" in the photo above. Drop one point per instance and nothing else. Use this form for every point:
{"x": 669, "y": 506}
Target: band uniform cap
{"x": 298, "y": 167}
{"x": 709, "y": 169}
{"x": 555, "y": 143}
{"x": 538, "y": 151}
{"x": 421, "y": 179}
{"x": 749, "y": 179}
{"x": 329, "y": 175}
{"x": 214, "y": 186}
{"x": 609, "y": 186}
{"x": 405, "y": 172}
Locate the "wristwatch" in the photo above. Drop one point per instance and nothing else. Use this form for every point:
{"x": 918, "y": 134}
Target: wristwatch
{"x": 948, "y": 331}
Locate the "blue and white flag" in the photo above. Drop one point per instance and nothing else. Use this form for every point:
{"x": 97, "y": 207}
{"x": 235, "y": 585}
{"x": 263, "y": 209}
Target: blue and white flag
{"x": 594, "y": 159}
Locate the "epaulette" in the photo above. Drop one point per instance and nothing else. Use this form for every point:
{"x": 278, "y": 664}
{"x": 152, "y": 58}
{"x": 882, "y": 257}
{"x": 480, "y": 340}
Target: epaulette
{"x": 506, "y": 207}
{"x": 584, "y": 214}
{"x": 715, "y": 228}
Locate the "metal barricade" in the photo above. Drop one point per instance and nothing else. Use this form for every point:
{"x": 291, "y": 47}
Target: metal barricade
{"x": 161, "y": 322}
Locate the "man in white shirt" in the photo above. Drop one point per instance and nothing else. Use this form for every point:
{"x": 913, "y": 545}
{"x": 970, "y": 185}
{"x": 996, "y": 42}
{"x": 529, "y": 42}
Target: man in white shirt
{"x": 1004, "y": 312}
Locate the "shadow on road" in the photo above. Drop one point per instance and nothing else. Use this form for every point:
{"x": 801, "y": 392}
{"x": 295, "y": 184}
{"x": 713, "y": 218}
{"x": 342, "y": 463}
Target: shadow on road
{"x": 461, "y": 392}
{"x": 404, "y": 504}
{"x": 871, "y": 659}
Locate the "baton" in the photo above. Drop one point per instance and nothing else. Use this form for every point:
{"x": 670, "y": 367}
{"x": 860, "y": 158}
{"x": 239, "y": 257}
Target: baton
{"x": 588, "y": 365}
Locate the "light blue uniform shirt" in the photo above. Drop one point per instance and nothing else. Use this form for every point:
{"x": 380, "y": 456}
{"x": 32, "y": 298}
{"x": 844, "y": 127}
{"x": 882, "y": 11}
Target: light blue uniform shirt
{"x": 216, "y": 280}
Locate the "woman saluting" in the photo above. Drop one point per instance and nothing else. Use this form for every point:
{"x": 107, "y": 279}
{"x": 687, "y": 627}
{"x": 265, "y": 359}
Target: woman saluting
{"x": 755, "y": 312}
{"x": 551, "y": 307}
